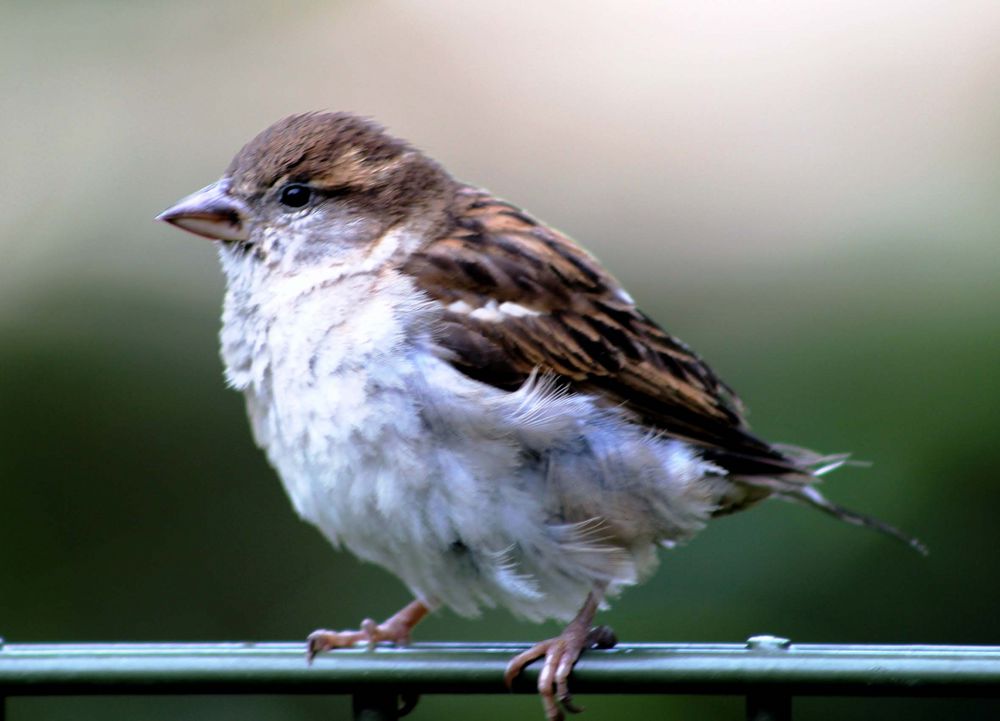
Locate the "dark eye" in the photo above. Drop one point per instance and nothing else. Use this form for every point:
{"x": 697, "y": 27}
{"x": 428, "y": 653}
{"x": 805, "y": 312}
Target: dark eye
{"x": 295, "y": 195}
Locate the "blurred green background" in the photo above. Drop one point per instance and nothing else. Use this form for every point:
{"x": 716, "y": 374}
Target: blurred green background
{"x": 807, "y": 193}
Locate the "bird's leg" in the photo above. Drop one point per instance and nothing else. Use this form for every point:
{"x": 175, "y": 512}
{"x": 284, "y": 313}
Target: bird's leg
{"x": 396, "y": 629}
{"x": 561, "y": 654}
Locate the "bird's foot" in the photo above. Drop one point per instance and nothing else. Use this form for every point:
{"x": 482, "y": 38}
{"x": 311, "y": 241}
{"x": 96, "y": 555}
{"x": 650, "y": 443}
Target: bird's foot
{"x": 395, "y": 629}
{"x": 561, "y": 654}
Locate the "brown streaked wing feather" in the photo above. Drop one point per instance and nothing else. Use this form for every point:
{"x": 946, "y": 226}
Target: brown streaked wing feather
{"x": 586, "y": 331}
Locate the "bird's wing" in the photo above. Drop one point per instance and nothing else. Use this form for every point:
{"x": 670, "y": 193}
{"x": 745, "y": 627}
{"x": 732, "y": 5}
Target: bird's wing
{"x": 520, "y": 297}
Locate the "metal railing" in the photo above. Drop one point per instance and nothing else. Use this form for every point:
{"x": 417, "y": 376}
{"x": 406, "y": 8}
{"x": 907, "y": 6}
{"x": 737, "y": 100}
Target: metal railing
{"x": 384, "y": 684}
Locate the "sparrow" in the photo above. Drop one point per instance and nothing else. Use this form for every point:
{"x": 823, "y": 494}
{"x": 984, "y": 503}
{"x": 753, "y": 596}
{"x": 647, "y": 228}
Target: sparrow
{"x": 462, "y": 395}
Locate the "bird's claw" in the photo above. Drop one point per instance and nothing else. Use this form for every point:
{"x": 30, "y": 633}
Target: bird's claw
{"x": 560, "y": 654}
{"x": 322, "y": 640}
{"x": 370, "y": 632}
{"x": 395, "y": 629}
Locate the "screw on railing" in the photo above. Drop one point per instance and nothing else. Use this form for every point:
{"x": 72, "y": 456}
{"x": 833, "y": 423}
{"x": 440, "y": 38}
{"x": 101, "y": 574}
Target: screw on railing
{"x": 769, "y": 704}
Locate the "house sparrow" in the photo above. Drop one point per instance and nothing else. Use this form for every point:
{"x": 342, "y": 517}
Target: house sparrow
{"x": 462, "y": 395}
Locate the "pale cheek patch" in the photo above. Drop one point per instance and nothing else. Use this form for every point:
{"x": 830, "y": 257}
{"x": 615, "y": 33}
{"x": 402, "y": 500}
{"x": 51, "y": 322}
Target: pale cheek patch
{"x": 493, "y": 312}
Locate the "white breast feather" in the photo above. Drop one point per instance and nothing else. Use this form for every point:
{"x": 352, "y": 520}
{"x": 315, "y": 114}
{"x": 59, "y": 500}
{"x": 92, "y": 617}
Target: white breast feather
{"x": 472, "y": 495}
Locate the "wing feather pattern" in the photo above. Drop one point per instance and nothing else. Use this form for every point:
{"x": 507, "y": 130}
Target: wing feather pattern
{"x": 521, "y": 297}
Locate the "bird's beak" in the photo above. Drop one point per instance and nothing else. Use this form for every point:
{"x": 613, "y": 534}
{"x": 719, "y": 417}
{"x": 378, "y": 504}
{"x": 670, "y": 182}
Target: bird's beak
{"x": 211, "y": 213}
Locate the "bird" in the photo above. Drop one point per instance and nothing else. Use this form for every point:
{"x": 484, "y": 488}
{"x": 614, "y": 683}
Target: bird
{"x": 453, "y": 390}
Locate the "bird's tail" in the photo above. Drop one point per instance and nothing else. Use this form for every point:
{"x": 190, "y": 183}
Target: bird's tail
{"x": 800, "y": 487}
{"x": 811, "y": 496}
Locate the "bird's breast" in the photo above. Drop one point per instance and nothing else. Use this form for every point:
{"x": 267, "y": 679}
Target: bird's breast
{"x": 471, "y": 494}
{"x": 326, "y": 364}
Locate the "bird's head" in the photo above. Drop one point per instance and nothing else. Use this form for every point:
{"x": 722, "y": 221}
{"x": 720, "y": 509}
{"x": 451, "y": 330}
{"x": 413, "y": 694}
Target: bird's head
{"x": 315, "y": 189}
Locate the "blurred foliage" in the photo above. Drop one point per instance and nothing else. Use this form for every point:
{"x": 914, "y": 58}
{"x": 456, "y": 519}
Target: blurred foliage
{"x": 807, "y": 195}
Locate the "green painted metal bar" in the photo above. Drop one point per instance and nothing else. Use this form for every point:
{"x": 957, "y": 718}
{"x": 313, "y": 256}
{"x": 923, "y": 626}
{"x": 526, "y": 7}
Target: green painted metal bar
{"x": 756, "y": 670}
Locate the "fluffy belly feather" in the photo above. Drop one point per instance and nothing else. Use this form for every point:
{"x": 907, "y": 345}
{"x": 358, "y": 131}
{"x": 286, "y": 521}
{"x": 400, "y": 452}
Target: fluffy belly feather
{"x": 471, "y": 495}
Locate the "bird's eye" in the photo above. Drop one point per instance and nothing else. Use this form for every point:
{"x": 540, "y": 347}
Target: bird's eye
{"x": 295, "y": 195}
